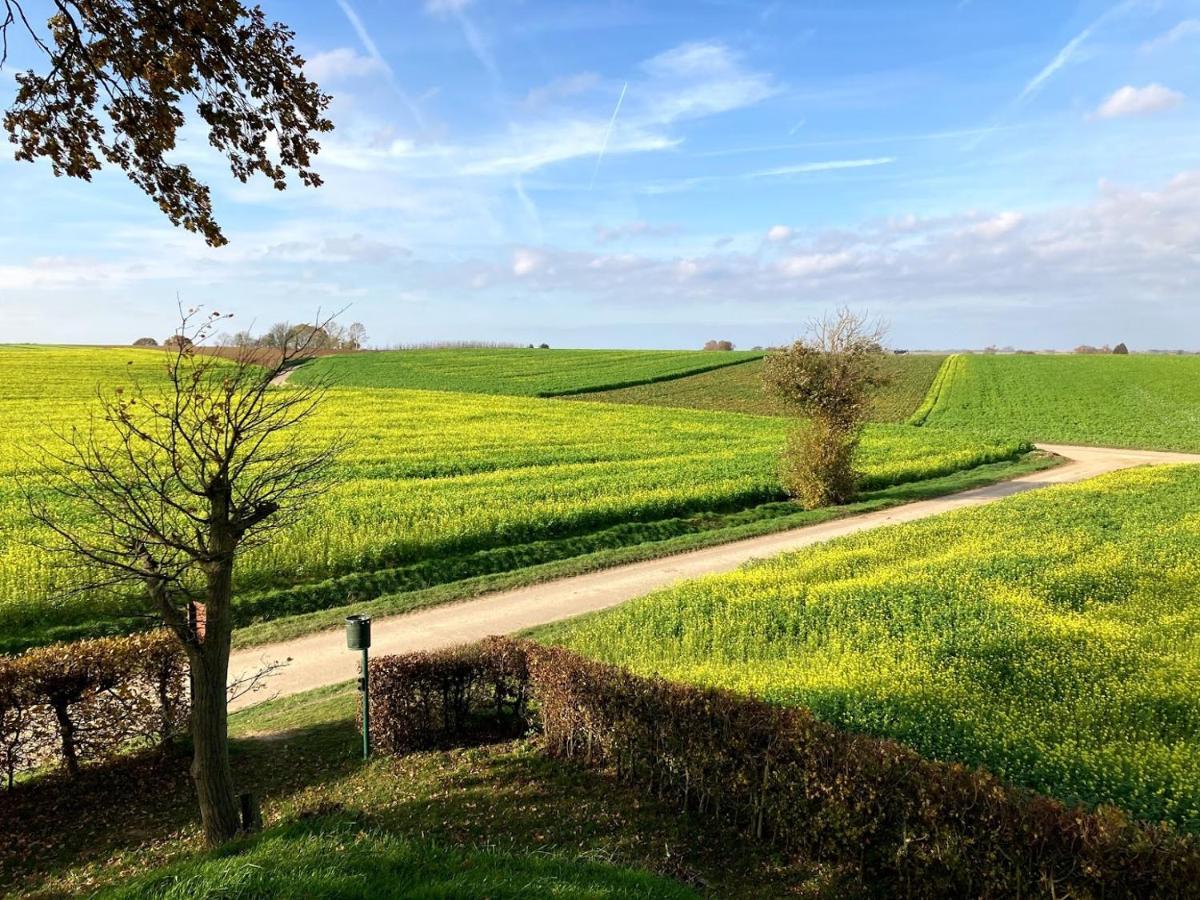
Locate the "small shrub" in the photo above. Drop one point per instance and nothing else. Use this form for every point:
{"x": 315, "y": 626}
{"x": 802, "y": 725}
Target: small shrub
{"x": 1121, "y": 349}
{"x": 145, "y": 342}
{"x": 817, "y": 467}
{"x": 830, "y": 377}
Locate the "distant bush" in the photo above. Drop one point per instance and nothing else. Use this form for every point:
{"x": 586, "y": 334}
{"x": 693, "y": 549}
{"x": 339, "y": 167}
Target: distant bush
{"x": 1121, "y": 349}
{"x": 145, "y": 342}
{"x": 85, "y": 701}
{"x": 177, "y": 340}
{"x": 1088, "y": 349}
{"x": 908, "y": 825}
{"x": 718, "y": 345}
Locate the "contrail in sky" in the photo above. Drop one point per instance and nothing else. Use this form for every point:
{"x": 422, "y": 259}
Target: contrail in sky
{"x": 607, "y": 133}
{"x": 372, "y": 49}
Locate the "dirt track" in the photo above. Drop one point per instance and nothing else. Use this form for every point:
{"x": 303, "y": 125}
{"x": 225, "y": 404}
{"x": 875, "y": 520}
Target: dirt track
{"x": 322, "y": 658}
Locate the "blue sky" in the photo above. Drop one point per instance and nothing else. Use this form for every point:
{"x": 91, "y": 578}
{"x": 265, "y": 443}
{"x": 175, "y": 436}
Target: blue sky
{"x": 656, "y": 174}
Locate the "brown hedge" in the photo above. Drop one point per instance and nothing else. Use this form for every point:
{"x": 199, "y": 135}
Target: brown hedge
{"x": 84, "y": 701}
{"x": 425, "y": 700}
{"x": 909, "y": 826}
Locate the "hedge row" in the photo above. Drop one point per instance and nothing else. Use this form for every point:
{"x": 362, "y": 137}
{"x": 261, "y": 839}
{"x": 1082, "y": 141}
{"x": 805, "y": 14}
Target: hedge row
{"x": 424, "y": 700}
{"x": 87, "y": 700}
{"x": 908, "y": 825}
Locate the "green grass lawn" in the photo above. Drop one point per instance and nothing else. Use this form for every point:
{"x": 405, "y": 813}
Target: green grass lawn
{"x": 499, "y": 820}
{"x": 530, "y": 373}
{"x": 740, "y": 389}
{"x": 1053, "y": 638}
{"x": 340, "y": 857}
{"x": 1120, "y": 401}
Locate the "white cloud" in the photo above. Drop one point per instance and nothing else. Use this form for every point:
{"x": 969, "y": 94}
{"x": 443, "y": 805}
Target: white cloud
{"x": 691, "y": 60}
{"x": 1134, "y": 101}
{"x": 353, "y": 248}
{"x": 1185, "y": 29}
{"x": 611, "y": 234}
{"x": 699, "y": 79}
{"x": 804, "y": 265}
{"x": 778, "y": 233}
{"x": 996, "y": 226}
{"x": 526, "y": 262}
{"x": 1125, "y": 247}
{"x": 343, "y": 62}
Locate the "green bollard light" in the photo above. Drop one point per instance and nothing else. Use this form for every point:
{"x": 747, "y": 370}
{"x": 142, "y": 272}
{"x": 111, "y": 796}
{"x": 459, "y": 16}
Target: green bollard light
{"x": 358, "y": 637}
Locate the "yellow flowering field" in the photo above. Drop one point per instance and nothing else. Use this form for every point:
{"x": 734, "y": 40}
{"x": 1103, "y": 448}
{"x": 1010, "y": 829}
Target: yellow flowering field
{"x": 434, "y": 472}
{"x": 1053, "y": 638}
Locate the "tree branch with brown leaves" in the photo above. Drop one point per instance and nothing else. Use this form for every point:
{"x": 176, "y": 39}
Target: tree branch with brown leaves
{"x": 124, "y": 75}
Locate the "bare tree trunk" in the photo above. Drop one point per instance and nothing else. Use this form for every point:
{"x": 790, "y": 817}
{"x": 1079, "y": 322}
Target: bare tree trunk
{"x": 66, "y": 728}
{"x": 211, "y": 772}
{"x": 210, "y": 759}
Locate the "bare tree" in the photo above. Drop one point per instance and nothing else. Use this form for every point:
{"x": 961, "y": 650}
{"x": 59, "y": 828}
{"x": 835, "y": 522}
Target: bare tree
{"x": 124, "y": 76}
{"x": 829, "y": 376}
{"x": 356, "y": 336}
{"x": 167, "y": 487}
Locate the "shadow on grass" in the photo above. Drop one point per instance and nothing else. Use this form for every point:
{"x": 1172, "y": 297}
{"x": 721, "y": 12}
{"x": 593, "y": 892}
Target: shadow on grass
{"x": 73, "y": 837}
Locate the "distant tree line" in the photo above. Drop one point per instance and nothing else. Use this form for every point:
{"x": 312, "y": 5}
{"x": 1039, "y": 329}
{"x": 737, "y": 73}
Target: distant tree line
{"x": 1088, "y": 349}
{"x": 281, "y": 336}
{"x": 718, "y": 345}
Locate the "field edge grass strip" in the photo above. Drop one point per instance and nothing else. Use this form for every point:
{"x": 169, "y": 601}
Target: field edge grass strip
{"x": 657, "y": 379}
{"x": 946, "y": 374}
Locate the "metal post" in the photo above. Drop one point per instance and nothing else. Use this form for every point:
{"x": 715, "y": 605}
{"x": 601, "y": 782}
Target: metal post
{"x": 366, "y": 705}
{"x": 358, "y": 637}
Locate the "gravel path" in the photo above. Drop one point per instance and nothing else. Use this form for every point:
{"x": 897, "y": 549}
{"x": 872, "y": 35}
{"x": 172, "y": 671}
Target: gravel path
{"x": 321, "y": 658}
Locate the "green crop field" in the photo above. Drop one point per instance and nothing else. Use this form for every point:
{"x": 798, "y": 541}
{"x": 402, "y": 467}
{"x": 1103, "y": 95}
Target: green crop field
{"x": 1053, "y": 638}
{"x": 1151, "y": 402}
{"x": 436, "y": 473}
{"x": 740, "y": 389}
{"x": 529, "y": 373}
